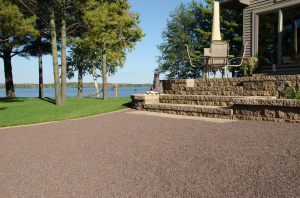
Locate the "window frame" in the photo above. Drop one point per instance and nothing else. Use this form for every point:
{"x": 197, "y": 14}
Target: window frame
{"x": 277, "y": 7}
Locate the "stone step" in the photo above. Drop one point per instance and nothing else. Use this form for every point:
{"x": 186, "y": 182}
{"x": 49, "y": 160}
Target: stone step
{"x": 197, "y": 100}
{"x": 191, "y": 110}
{"x": 209, "y": 93}
{"x": 257, "y": 118}
{"x": 224, "y": 93}
{"x": 212, "y": 88}
{"x": 208, "y": 88}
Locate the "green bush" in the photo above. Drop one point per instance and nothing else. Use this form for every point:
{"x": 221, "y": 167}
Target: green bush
{"x": 249, "y": 65}
{"x": 291, "y": 92}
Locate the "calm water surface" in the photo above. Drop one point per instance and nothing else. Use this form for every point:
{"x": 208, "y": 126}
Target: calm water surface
{"x": 72, "y": 92}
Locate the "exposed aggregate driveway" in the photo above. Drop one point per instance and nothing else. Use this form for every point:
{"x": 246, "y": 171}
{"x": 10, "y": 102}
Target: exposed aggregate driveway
{"x": 121, "y": 154}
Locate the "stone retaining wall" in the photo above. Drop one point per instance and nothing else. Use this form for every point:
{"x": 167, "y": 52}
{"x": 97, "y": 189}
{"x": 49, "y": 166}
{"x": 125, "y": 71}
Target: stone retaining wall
{"x": 259, "y": 85}
{"x": 139, "y": 100}
{"x": 251, "y": 108}
{"x": 276, "y": 110}
{"x": 197, "y": 100}
{"x": 244, "y": 94}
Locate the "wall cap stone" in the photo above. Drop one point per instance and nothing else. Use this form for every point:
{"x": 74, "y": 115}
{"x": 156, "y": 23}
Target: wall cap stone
{"x": 267, "y": 102}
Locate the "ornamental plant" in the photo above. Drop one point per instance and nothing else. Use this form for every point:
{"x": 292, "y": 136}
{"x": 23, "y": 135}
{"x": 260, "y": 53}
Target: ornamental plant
{"x": 249, "y": 65}
{"x": 292, "y": 92}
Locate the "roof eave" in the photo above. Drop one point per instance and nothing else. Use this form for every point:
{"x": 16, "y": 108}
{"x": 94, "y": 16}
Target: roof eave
{"x": 237, "y": 5}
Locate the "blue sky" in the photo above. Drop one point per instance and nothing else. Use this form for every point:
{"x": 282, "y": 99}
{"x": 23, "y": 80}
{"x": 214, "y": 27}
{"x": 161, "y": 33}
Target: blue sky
{"x": 140, "y": 63}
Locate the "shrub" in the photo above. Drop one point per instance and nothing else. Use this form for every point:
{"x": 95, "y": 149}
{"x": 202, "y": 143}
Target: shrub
{"x": 291, "y": 93}
{"x": 249, "y": 65}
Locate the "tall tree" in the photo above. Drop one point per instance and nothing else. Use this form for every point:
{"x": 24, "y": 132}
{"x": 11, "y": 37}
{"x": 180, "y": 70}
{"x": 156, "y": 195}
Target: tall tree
{"x": 41, "y": 45}
{"x": 181, "y": 29}
{"x": 115, "y": 31}
{"x": 191, "y": 24}
{"x": 38, "y": 47}
{"x": 76, "y": 61}
{"x": 84, "y": 57}
{"x": 62, "y": 18}
{"x": 16, "y": 30}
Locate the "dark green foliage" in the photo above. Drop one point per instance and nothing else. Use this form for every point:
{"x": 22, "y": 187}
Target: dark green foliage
{"x": 249, "y": 65}
{"x": 291, "y": 93}
{"x": 81, "y": 55}
{"x": 16, "y": 30}
{"x": 180, "y": 30}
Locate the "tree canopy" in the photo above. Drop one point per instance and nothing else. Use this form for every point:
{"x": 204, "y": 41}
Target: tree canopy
{"x": 16, "y": 30}
{"x": 106, "y": 27}
{"x": 114, "y": 31}
{"x": 191, "y": 24}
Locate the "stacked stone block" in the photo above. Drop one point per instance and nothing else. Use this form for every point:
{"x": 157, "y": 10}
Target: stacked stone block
{"x": 139, "y": 100}
{"x": 191, "y": 110}
{"x": 246, "y": 98}
{"x": 196, "y": 100}
{"x": 280, "y": 110}
{"x": 243, "y": 86}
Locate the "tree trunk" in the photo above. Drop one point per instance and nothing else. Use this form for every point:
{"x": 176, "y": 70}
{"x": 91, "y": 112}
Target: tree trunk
{"x": 80, "y": 85}
{"x": 95, "y": 81}
{"x": 41, "y": 92}
{"x": 63, "y": 56}
{"x": 9, "y": 84}
{"x": 104, "y": 77}
{"x": 55, "y": 59}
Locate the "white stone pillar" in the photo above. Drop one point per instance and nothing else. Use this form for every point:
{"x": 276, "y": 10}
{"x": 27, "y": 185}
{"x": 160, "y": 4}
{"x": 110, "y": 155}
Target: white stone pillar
{"x": 216, "y": 33}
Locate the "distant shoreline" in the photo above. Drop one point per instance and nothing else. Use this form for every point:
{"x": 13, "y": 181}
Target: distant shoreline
{"x": 74, "y": 85}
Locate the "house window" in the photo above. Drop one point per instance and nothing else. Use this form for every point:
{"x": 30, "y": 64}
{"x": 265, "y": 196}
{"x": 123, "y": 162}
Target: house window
{"x": 279, "y": 37}
{"x": 291, "y": 37}
{"x": 268, "y": 38}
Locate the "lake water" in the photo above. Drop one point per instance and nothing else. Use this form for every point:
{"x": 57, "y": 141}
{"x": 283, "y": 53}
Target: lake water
{"x": 72, "y": 92}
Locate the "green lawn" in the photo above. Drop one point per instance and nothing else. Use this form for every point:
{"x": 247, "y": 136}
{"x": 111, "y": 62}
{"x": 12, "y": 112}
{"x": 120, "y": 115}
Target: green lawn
{"x": 22, "y": 111}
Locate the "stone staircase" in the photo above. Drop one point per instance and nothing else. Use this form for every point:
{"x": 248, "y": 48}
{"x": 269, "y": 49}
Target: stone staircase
{"x": 189, "y": 105}
{"x": 191, "y": 110}
{"x": 246, "y": 98}
{"x": 207, "y": 100}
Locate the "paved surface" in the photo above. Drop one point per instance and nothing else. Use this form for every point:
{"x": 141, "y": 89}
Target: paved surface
{"x": 181, "y": 116}
{"x": 124, "y": 154}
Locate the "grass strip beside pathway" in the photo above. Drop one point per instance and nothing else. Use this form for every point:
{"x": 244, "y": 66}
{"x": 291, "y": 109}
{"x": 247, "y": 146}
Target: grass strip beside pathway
{"x": 23, "y": 111}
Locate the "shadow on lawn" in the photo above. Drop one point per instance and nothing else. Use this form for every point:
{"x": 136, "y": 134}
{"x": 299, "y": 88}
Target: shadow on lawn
{"x": 48, "y": 100}
{"x": 97, "y": 98}
{"x": 3, "y": 108}
{"x": 12, "y": 100}
{"x": 128, "y": 104}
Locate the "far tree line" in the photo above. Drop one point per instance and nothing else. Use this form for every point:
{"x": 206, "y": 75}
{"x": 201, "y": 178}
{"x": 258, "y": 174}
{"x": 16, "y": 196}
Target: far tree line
{"x": 98, "y": 33}
{"x": 73, "y": 85}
